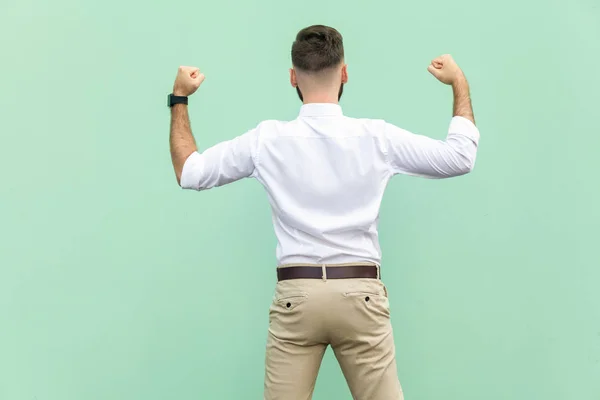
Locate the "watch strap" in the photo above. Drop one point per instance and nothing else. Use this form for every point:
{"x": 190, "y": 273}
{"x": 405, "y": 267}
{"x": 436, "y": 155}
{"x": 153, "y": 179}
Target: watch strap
{"x": 176, "y": 100}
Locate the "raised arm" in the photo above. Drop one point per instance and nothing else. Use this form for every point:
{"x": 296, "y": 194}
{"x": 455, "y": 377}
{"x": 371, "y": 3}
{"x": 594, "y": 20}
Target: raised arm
{"x": 218, "y": 165}
{"x": 181, "y": 140}
{"x": 417, "y": 155}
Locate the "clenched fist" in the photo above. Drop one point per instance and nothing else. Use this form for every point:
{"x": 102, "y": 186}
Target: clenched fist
{"x": 188, "y": 80}
{"x": 445, "y": 69}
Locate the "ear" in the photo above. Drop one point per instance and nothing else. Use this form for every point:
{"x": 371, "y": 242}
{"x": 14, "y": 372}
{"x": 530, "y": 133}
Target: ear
{"x": 293, "y": 80}
{"x": 345, "y": 74}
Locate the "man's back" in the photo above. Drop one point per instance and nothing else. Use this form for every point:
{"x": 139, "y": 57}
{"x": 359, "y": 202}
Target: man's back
{"x": 325, "y": 175}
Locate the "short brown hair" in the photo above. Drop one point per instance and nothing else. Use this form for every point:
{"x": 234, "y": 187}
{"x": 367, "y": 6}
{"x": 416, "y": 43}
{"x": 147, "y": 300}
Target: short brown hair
{"x": 316, "y": 48}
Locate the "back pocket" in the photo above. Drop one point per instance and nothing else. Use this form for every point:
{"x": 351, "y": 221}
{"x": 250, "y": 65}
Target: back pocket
{"x": 291, "y": 301}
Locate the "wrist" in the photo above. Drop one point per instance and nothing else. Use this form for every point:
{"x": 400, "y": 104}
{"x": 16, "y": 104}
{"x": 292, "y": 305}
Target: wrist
{"x": 460, "y": 82}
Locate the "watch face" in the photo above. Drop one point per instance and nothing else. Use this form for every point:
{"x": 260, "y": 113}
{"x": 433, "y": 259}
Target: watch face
{"x": 169, "y": 99}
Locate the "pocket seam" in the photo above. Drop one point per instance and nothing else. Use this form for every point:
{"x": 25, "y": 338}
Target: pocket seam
{"x": 364, "y": 293}
{"x": 291, "y": 296}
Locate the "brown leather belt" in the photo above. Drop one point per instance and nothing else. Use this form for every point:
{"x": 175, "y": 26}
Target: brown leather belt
{"x": 341, "y": 272}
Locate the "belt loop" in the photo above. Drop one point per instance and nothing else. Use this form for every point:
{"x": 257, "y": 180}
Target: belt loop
{"x": 324, "y": 269}
{"x": 378, "y": 271}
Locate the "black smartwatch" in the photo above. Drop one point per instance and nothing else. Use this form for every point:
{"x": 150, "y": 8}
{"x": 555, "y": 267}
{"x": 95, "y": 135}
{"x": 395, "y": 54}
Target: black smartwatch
{"x": 176, "y": 100}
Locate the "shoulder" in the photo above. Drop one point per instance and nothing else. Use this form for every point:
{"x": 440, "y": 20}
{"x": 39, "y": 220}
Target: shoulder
{"x": 272, "y": 127}
{"x": 373, "y": 126}
{"x": 271, "y": 124}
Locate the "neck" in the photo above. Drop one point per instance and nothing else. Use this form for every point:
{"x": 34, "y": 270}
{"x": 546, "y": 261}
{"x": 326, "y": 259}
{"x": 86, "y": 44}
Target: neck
{"x": 320, "y": 98}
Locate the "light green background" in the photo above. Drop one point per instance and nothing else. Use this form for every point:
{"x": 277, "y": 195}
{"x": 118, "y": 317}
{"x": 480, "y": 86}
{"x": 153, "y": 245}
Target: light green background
{"x": 115, "y": 284}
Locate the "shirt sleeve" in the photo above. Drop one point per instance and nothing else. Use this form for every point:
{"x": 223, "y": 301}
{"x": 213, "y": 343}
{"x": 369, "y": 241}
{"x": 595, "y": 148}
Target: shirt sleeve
{"x": 221, "y": 164}
{"x": 417, "y": 155}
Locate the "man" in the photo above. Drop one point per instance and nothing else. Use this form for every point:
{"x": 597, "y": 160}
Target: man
{"x": 325, "y": 175}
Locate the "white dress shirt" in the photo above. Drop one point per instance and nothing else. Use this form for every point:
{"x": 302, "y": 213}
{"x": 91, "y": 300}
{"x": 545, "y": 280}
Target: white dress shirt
{"x": 325, "y": 175}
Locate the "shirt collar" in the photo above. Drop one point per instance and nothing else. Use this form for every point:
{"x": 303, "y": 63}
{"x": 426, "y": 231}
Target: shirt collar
{"x": 321, "y": 110}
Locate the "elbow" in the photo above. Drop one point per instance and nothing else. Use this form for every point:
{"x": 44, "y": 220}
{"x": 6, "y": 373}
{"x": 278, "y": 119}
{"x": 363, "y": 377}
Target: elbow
{"x": 463, "y": 161}
{"x": 461, "y": 156}
{"x": 185, "y": 169}
{"x": 188, "y": 182}
{"x": 466, "y": 165}
{"x": 459, "y": 166}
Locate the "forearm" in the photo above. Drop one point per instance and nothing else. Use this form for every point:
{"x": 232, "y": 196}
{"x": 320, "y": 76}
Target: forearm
{"x": 462, "y": 99}
{"x": 181, "y": 140}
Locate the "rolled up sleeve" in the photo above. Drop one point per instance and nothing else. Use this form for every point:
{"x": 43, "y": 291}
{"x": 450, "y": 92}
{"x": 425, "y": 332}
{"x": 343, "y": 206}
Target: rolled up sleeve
{"x": 422, "y": 156}
{"x": 221, "y": 164}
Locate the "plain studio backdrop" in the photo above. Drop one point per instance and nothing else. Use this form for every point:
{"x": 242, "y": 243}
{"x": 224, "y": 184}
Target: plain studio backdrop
{"x": 115, "y": 284}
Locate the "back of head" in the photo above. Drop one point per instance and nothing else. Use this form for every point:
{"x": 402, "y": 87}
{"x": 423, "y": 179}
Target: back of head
{"x": 317, "y": 48}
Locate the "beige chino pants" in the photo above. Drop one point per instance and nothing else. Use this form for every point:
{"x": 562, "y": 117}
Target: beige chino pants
{"x": 350, "y": 315}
